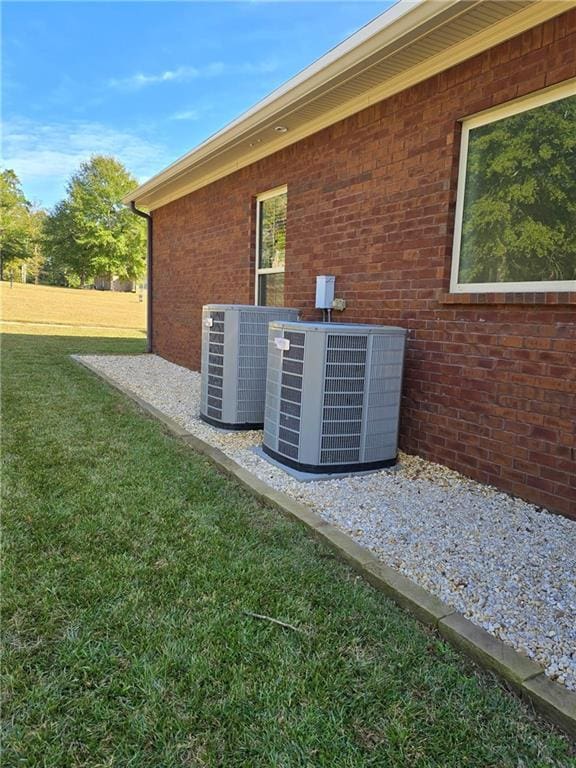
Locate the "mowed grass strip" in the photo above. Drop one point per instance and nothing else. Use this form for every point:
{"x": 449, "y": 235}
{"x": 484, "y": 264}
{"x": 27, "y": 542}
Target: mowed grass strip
{"x": 43, "y": 304}
{"x": 33, "y": 329}
{"x": 129, "y": 563}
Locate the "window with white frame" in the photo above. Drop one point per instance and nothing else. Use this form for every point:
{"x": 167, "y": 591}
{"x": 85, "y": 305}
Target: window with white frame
{"x": 271, "y": 247}
{"x": 515, "y": 226}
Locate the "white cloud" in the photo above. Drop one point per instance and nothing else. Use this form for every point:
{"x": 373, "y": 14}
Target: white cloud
{"x": 45, "y": 155}
{"x": 183, "y": 74}
{"x": 186, "y": 114}
{"x": 139, "y": 80}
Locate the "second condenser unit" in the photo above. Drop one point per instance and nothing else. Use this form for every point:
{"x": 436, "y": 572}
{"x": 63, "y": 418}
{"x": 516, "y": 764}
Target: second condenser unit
{"x": 234, "y": 352}
{"x": 333, "y": 395}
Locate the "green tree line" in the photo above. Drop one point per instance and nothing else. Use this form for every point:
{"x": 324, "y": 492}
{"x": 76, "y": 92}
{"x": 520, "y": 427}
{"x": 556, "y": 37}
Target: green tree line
{"x": 88, "y": 235}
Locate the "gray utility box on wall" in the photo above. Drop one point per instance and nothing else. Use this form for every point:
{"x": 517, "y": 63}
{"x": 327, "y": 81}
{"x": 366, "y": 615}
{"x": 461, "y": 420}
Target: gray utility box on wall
{"x": 234, "y": 350}
{"x": 333, "y": 395}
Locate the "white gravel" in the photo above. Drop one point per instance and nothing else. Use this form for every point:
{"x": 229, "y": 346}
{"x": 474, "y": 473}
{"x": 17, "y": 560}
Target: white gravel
{"x": 505, "y": 564}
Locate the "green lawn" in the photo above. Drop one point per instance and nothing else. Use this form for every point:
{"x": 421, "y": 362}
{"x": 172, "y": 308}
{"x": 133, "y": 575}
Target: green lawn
{"x": 128, "y": 563}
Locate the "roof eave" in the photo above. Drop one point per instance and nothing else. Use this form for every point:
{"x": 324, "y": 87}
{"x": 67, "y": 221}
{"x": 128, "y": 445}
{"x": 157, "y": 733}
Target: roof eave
{"x": 407, "y": 15}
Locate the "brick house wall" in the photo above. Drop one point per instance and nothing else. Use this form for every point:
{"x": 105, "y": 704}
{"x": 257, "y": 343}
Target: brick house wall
{"x": 490, "y": 380}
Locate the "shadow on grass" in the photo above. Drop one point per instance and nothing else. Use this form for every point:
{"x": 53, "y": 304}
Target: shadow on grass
{"x": 25, "y": 345}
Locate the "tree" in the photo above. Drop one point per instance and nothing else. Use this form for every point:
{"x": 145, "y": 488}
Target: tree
{"x": 90, "y": 233}
{"x": 20, "y": 227}
{"x": 65, "y": 261}
{"x": 36, "y": 256}
{"x": 520, "y": 201}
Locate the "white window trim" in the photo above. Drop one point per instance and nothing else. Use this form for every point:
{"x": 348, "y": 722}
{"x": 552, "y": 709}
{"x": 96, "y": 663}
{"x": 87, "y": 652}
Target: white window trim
{"x": 483, "y": 118}
{"x": 268, "y": 270}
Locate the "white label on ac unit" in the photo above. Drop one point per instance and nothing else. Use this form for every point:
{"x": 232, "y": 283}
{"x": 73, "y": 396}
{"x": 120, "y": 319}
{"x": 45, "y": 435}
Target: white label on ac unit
{"x": 208, "y": 322}
{"x": 283, "y": 344}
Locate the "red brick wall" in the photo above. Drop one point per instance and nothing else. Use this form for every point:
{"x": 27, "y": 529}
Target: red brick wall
{"x": 490, "y": 385}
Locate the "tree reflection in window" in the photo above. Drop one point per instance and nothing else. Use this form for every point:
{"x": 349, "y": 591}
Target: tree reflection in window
{"x": 273, "y": 232}
{"x": 519, "y": 212}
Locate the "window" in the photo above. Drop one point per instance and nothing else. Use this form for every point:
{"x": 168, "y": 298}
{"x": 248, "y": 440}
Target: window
{"x": 516, "y": 205}
{"x": 271, "y": 247}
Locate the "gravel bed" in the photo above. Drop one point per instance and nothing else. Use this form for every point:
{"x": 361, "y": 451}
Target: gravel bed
{"x": 507, "y": 565}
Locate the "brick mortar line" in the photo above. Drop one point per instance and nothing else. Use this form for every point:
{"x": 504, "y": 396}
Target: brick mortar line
{"x": 525, "y": 676}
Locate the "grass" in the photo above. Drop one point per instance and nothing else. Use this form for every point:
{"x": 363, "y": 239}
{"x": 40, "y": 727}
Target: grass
{"x": 42, "y": 305}
{"x": 129, "y": 562}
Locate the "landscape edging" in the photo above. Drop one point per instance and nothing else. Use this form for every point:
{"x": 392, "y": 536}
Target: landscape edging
{"x": 552, "y": 700}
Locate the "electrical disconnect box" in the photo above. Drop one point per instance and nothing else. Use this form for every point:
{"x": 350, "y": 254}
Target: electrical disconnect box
{"x": 325, "y": 291}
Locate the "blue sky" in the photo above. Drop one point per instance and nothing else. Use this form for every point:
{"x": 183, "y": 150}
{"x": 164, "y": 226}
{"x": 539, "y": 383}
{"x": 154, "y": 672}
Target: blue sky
{"x": 146, "y": 81}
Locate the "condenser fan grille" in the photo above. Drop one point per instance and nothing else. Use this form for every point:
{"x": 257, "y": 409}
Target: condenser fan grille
{"x": 344, "y": 382}
{"x": 215, "y": 365}
{"x": 291, "y": 395}
{"x": 252, "y": 353}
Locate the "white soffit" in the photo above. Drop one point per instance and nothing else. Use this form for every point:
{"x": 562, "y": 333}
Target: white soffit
{"x": 411, "y": 42}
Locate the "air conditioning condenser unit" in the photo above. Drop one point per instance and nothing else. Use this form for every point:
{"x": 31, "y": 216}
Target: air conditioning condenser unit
{"x": 233, "y": 369}
{"x": 333, "y": 395}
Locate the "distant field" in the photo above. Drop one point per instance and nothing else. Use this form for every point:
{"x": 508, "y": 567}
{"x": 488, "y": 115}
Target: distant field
{"x": 43, "y": 305}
